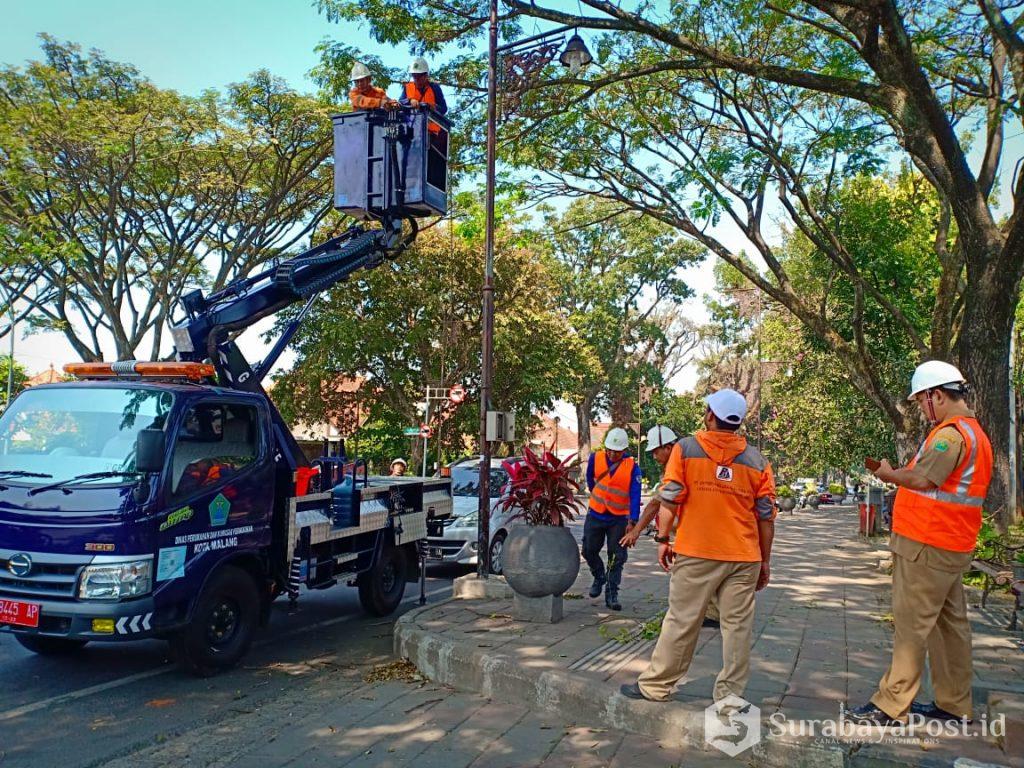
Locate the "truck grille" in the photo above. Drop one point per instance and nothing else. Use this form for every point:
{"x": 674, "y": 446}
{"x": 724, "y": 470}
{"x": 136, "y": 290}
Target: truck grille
{"x": 51, "y": 576}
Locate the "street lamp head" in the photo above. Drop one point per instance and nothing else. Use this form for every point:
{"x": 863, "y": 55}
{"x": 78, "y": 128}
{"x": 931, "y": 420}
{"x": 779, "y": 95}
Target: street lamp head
{"x": 576, "y": 55}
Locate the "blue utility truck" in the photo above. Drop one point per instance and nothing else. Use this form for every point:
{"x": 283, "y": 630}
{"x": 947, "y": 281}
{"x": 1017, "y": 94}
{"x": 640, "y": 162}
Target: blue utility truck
{"x": 170, "y": 500}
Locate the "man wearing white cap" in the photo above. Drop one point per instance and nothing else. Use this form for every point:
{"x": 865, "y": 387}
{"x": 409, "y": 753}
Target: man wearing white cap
{"x": 719, "y": 492}
{"x": 613, "y": 479}
{"x": 935, "y": 522}
{"x": 660, "y": 440}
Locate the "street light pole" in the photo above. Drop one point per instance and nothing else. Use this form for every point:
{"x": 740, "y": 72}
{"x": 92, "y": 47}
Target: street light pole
{"x": 530, "y": 61}
{"x": 487, "y": 345}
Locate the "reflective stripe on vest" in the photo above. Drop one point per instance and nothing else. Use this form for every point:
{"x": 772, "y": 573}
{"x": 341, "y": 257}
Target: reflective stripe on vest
{"x": 610, "y": 494}
{"x": 949, "y": 516}
{"x": 426, "y": 97}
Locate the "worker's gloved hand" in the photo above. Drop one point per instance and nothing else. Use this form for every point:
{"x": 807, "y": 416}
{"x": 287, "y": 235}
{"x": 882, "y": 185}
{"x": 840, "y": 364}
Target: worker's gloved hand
{"x": 764, "y": 577}
{"x": 413, "y": 103}
{"x": 666, "y": 555}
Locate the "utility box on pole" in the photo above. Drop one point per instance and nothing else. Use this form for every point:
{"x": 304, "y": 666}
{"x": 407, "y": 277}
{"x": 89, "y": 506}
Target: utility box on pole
{"x": 501, "y": 426}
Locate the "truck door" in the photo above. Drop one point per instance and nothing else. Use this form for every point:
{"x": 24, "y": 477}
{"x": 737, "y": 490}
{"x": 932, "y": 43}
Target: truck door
{"x": 218, "y": 493}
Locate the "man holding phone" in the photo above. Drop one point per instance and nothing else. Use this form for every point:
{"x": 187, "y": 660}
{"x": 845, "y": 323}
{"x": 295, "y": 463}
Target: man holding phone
{"x": 935, "y": 523}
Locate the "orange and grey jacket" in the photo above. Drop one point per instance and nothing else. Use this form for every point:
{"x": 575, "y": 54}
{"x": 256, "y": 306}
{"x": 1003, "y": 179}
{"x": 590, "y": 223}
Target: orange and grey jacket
{"x": 720, "y": 487}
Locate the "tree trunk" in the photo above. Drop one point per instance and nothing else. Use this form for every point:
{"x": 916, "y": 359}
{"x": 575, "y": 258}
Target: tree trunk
{"x": 583, "y": 415}
{"x": 985, "y": 362}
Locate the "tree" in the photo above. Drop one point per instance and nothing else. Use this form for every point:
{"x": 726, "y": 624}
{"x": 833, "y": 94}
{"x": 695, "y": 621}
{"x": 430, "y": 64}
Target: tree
{"x": 616, "y": 271}
{"x": 417, "y": 323}
{"x": 813, "y": 418}
{"x": 18, "y": 380}
{"x": 705, "y": 112}
{"x": 117, "y": 196}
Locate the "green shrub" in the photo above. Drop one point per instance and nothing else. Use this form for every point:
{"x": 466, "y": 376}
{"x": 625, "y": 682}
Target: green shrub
{"x": 784, "y": 492}
{"x": 836, "y": 489}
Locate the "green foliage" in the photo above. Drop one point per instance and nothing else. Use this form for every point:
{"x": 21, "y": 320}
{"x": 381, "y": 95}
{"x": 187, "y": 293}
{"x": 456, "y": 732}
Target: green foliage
{"x": 784, "y": 492}
{"x": 119, "y": 196}
{"x": 615, "y": 270}
{"x": 837, "y": 489}
{"x": 19, "y": 378}
{"x": 417, "y": 322}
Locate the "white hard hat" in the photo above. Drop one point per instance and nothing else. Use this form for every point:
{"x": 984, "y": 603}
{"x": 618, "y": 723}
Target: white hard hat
{"x": 728, "y": 405}
{"x": 934, "y": 373}
{"x": 616, "y": 439}
{"x": 418, "y": 66}
{"x": 658, "y": 436}
{"x": 401, "y": 461}
{"x": 359, "y": 71}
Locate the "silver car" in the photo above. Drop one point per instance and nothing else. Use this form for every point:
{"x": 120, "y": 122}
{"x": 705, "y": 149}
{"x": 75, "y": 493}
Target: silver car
{"x": 458, "y": 544}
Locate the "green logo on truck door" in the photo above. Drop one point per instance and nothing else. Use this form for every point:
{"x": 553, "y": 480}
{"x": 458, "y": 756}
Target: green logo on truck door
{"x": 219, "y": 509}
{"x": 177, "y": 516}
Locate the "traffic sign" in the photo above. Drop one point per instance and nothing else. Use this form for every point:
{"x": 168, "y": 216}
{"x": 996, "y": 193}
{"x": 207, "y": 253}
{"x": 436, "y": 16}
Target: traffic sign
{"x": 411, "y": 431}
{"x": 457, "y": 394}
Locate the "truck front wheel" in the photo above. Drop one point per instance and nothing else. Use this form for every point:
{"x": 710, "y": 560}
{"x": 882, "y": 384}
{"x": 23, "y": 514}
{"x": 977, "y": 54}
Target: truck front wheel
{"x": 381, "y": 588}
{"x": 49, "y": 646}
{"x": 223, "y": 624}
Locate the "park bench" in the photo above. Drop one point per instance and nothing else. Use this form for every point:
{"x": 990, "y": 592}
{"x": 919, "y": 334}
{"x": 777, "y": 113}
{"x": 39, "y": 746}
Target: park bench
{"x": 999, "y": 576}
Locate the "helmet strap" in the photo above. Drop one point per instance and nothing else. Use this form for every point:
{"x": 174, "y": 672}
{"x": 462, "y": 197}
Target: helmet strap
{"x": 931, "y": 408}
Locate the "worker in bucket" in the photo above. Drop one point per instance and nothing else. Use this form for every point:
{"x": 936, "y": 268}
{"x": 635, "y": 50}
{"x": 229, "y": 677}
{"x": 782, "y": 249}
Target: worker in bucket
{"x": 719, "y": 494}
{"x": 420, "y": 91}
{"x": 364, "y": 94}
{"x": 935, "y": 522}
{"x": 660, "y": 440}
{"x": 613, "y": 478}
{"x": 398, "y": 468}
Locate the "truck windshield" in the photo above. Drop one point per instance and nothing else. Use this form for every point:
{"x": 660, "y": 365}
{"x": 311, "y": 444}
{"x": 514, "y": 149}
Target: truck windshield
{"x": 466, "y": 481}
{"x": 59, "y": 433}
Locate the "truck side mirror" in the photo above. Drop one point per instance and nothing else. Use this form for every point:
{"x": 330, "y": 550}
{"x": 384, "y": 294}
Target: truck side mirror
{"x": 150, "y": 450}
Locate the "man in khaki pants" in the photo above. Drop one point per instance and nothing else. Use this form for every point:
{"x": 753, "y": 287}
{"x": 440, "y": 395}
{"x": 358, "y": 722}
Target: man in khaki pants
{"x": 722, "y": 493}
{"x": 935, "y": 523}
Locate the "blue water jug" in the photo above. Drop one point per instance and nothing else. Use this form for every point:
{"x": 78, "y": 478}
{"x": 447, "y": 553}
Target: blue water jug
{"x": 343, "y": 503}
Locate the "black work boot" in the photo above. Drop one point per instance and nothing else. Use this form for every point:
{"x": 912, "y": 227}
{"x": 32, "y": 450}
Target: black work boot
{"x": 611, "y": 599}
{"x": 597, "y": 587}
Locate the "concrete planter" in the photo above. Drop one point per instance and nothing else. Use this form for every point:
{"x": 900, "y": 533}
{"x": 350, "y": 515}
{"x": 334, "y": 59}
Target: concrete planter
{"x": 540, "y": 560}
{"x": 786, "y": 503}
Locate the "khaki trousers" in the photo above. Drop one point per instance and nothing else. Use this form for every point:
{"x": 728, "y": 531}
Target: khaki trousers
{"x": 693, "y": 583}
{"x": 930, "y": 613}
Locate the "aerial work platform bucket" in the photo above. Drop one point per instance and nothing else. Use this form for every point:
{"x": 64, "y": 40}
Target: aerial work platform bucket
{"x": 391, "y": 163}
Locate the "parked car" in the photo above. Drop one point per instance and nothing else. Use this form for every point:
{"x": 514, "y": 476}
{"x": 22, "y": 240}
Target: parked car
{"x": 826, "y": 498}
{"x": 458, "y": 543}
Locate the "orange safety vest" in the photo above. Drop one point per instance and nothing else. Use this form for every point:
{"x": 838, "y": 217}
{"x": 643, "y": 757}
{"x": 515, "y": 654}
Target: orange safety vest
{"x": 610, "y": 494}
{"x": 426, "y": 97}
{"x": 949, "y": 517}
{"x": 372, "y": 98}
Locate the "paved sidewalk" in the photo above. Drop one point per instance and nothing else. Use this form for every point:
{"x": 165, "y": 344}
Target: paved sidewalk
{"x": 823, "y": 637}
{"x": 337, "y": 719}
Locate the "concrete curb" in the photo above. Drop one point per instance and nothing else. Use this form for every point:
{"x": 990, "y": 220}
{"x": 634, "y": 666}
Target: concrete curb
{"x": 501, "y": 677}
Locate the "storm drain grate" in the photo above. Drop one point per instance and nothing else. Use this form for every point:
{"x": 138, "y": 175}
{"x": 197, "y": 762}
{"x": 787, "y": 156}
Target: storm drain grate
{"x": 613, "y": 655}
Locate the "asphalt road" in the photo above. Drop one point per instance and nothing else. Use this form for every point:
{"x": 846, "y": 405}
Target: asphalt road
{"x": 109, "y": 700}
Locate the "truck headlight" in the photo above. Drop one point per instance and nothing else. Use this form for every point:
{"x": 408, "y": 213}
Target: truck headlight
{"x": 115, "y": 581}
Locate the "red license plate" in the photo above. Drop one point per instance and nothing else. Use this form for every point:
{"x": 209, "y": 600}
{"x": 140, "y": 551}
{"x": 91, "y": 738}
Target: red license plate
{"x": 22, "y": 614}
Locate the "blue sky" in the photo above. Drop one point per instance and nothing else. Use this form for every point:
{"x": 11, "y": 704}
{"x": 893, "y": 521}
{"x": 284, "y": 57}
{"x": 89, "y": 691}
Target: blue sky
{"x": 187, "y": 45}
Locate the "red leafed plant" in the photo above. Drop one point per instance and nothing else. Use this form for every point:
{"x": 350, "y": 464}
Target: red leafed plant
{"x": 541, "y": 489}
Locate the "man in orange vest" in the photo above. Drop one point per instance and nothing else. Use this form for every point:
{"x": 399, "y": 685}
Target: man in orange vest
{"x": 420, "y": 91}
{"x": 614, "y": 482}
{"x": 365, "y": 95}
{"x": 935, "y": 522}
{"x": 719, "y": 493}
